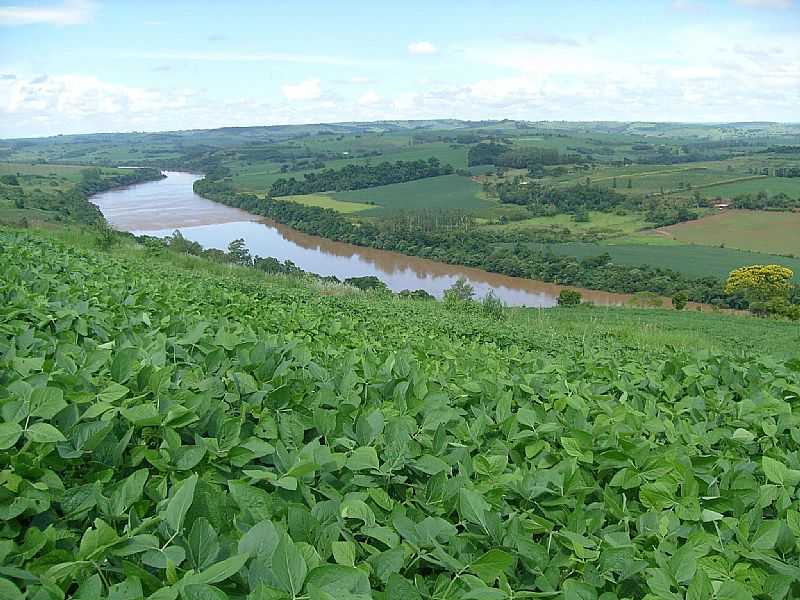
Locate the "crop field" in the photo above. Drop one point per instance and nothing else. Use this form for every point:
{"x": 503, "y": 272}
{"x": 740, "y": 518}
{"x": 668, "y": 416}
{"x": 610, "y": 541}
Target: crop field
{"x": 324, "y": 201}
{"x": 168, "y": 432}
{"x": 606, "y": 222}
{"x": 771, "y": 185}
{"x": 760, "y": 231}
{"x": 721, "y": 178}
{"x": 692, "y": 260}
{"x": 447, "y": 191}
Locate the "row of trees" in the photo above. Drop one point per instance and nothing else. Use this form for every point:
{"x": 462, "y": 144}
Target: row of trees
{"x": 504, "y": 155}
{"x": 356, "y": 177}
{"x": 508, "y": 252}
{"x": 764, "y": 201}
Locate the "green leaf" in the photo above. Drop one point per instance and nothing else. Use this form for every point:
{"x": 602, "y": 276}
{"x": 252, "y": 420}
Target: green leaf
{"x": 341, "y": 582}
{"x": 288, "y": 566}
{"x": 142, "y": 415}
{"x": 47, "y": 402}
{"x": 344, "y": 553}
{"x": 44, "y": 433}
{"x": 578, "y": 590}
{"x": 9, "y": 591}
{"x": 9, "y": 434}
{"x": 778, "y": 473}
{"x": 220, "y": 571}
{"x": 473, "y": 507}
{"x": 180, "y": 502}
{"x": 399, "y": 588}
{"x": 202, "y": 591}
{"x": 261, "y": 540}
{"x": 203, "y": 544}
{"x": 700, "y": 587}
{"x": 363, "y": 458}
{"x": 491, "y": 565}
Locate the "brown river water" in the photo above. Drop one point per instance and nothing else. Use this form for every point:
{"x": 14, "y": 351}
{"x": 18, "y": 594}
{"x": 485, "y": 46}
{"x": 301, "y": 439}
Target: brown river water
{"x": 158, "y": 208}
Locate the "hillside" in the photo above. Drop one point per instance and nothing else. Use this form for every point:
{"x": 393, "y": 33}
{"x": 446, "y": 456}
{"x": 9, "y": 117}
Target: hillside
{"x": 174, "y": 427}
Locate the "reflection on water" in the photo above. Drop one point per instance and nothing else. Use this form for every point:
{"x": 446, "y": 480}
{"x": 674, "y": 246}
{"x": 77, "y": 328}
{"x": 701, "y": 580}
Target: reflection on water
{"x": 158, "y": 208}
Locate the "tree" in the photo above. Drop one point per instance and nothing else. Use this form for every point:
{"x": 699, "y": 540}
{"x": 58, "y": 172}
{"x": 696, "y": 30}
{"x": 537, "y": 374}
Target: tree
{"x": 368, "y": 282}
{"x": 239, "y": 253}
{"x": 760, "y": 283}
{"x": 460, "y": 291}
{"x": 679, "y": 300}
{"x": 766, "y": 287}
{"x": 569, "y": 297}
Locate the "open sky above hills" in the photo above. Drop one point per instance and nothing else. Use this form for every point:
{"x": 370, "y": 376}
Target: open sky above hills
{"x": 79, "y": 66}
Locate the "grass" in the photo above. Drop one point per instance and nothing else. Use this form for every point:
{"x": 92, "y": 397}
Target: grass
{"x": 692, "y": 260}
{"x": 324, "y": 201}
{"x": 447, "y": 191}
{"x": 759, "y": 231}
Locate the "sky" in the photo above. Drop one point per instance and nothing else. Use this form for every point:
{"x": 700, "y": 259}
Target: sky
{"x": 81, "y": 66}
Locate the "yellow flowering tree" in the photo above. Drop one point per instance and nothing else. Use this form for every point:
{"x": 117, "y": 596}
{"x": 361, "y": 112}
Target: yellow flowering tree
{"x": 760, "y": 283}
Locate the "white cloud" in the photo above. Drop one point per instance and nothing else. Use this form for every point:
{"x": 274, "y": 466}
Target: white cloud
{"x": 70, "y": 12}
{"x": 305, "y": 90}
{"x": 239, "y": 56}
{"x": 370, "y": 97}
{"x": 422, "y": 48}
{"x": 80, "y": 96}
{"x": 765, "y": 3}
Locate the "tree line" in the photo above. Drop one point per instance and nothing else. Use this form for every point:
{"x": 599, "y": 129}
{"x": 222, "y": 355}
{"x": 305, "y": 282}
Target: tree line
{"x": 356, "y": 177}
{"x": 504, "y": 155}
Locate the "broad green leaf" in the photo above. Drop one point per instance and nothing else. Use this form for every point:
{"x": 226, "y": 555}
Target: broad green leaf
{"x": 340, "y": 582}
{"x": 362, "y": 458}
{"x": 203, "y": 545}
{"x": 202, "y": 591}
{"x": 220, "y": 571}
{"x": 44, "y": 433}
{"x": 344, "y": 553}
{"x": 179, "y": 504}
{"x": 9, "y": 434}
{"x": 288, "y": 566}
{"x": 491, "y": 565}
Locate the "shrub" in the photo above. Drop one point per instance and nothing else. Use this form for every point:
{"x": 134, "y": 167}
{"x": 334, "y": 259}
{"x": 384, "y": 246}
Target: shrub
{"x": 679, "y": 300}
{"x": 569, "y": 297}
{"x": 493, "y": 306}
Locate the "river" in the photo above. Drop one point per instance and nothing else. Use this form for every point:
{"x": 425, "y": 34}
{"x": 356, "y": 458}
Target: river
{"x": 158, "y": 208}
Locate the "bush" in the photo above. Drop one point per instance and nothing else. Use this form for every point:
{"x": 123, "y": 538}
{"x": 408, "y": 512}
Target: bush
{"x": 679, "y": 300}
{"x": 569, "y": 297}
{"x": 460, "y": 291}
{"x": 493, "y": 306}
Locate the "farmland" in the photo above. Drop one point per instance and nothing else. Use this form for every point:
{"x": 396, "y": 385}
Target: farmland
{"x": 173, "y": 427}
{"x": 693, "y": 260}
{"x": 445, "y": 192}
{"x": 761, "y": 231}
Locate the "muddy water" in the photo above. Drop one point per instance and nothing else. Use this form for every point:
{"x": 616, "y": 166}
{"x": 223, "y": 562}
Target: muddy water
{"x": 158, "y": 208}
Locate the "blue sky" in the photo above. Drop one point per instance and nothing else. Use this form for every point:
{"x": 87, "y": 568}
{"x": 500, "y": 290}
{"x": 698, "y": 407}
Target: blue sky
{"x": 82, "y": 66}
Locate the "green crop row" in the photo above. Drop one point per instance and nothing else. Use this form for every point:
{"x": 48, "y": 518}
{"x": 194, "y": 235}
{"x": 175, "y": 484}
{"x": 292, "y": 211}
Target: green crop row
{"x": 167, "y": 434}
